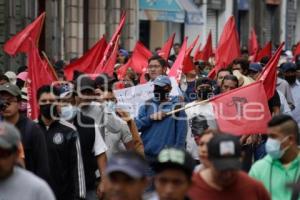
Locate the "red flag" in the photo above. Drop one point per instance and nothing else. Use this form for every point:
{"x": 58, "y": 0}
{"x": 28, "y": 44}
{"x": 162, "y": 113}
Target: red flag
{"x": 266, "y": 51}
{"x": 111, "y": 45}
{"x": 188, "y": 64}
{"x": 109, "y": 66}
{"x": 253, "y": 43}
{"x": 176, "y": 69}
{"x": 198, "y": 53}
{"x": 269, "y": 74}
{"x": 207, "y": 50}
{"x": 228, "y": 48}
{"x": 138, "y": 61}
{"x": 297, "y": 50}
{"x": 192, "y": 46}
{"x": 20, "y": 42}
{"x": 38, "y": 75}
{"x": 166, "y": 49}
{"x": 243, "y": 110}
{"x": 89, "y": 61}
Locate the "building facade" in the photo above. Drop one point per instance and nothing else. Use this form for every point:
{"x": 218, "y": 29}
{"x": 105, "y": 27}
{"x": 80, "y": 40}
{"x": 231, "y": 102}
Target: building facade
{"x": 73, "y": 26}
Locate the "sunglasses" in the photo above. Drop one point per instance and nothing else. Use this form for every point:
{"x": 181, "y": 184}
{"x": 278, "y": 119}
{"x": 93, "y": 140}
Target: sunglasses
{"x": 4, "y": 153}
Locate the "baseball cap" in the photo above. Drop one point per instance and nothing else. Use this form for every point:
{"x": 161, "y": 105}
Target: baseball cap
{"x": 170, "y": 158}
{"x": 11, "y": 89}
{"x": 288, "y": 67}
{"x": 23, "y": 76}
{"x": 11, "y": 76}
{"x": 85, "y": 83}
{"x": 129, "y": 163}
{"x": 9, "y": 136}
{"x": 123, "y": 52}
{"x": 162, "y": 81}
{"x": 256, "y": 67}
{"x": 224, "y": 152}
{"x": 198, "y": 124}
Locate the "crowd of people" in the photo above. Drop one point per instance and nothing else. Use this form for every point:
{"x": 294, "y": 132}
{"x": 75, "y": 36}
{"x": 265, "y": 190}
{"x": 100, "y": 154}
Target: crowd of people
{"x": 84, "y": 146}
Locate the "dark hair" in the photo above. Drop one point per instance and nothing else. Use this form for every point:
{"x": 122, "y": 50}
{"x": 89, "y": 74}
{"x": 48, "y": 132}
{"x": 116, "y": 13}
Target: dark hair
{"x": 264, "y": 60}
{"x": 161, "y": 61}
{"x": 223, "y": 70}
{"x": 231, "y": 78}
{"x": 47, "y": 89}
{"x": 288, "y": 124}
{"x": 22, "y": 68}
{"x": 243, "y": 62}
{"x": 176, "y": 44}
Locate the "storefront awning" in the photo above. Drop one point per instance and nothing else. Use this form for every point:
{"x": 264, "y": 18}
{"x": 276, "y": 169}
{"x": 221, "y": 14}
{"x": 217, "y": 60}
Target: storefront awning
{"x": 161, "y": 10}
{"x": 193, "y": 14}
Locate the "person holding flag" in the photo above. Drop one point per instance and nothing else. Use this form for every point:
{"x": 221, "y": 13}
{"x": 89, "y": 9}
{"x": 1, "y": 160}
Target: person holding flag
{"x": 158, "y": 129}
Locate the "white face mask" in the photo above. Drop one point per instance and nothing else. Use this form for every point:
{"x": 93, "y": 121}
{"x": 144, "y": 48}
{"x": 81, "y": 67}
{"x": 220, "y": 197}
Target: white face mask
{"x": 68, "y": 112}
{"x": 273, "y": 148}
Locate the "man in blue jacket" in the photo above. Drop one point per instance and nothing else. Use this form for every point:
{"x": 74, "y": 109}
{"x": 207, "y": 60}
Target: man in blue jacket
{"x": 158, "y": 129}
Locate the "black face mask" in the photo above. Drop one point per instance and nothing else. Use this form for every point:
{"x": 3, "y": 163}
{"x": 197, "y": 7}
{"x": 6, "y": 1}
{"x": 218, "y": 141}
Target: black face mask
{"x": 203, "y": 94}
{"x": 160, "y": 94}
{"x": 48, "y": 110}
{"x": 290, "y": 79}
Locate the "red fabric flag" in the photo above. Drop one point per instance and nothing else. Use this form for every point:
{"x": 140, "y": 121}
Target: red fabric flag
{"x": 297, "y": 50}
{"x": 38, "y": 75}
{"x": 111, "y": 45}
{"x": 243, "y": 110}
{"x": 89, "y": 61}
{"x": 228, "y": 48}
{"x": 266, "y": 51}
{"x": 188, "y": 64}
{"x": 20, "y": 42}
{"x": 198, "y": 53}
{"x": 253, "y": 43}
{"x": 269, "y": 74}
{"x": 176, "y": 69}
{"x": 109, "y": 66}
{"x": 166, "y": 49}
{"x": 138, "y": 61}
{"x": 192, "y": 46}
{"x": 207, "y": 50}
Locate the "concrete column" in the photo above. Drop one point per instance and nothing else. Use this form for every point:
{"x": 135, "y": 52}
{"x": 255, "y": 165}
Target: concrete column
{"x": 73, "y": 28}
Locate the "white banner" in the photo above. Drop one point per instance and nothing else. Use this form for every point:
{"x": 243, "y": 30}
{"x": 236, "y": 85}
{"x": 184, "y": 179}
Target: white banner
{"x": 130, "y": 99}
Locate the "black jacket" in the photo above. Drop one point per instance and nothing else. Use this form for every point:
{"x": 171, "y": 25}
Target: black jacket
{"x": 35, "y": 149}
{"x": 86, "y": 129}
{"x": 65, "y": 161}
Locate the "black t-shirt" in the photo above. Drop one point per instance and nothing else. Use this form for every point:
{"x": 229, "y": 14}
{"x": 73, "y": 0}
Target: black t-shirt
{"x": 274, "y": 101}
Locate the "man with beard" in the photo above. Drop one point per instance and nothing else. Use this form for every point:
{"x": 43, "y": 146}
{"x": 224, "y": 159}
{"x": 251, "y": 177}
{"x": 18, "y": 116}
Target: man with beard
{"x": 223, "y": 179}
{"x": 289, "y": 73}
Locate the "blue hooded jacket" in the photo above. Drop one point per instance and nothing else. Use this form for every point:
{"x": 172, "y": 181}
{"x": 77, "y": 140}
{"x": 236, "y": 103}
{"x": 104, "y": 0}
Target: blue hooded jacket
{"x": 168, "y": 132}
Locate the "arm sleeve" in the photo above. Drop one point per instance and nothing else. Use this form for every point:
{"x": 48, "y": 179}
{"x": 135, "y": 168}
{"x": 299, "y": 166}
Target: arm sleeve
{"x": 111, "y": 121}
{"x": 181, "y": 130}
{"x": 143, "y": 120}
{"x": 99, "y": 144}
{"x": 77, "y": 168}
{"x": 40, "y": 153}
{"x": 125, "y": 133}
{"x": 44, "y": 192}
{"x": 263, "y": 194}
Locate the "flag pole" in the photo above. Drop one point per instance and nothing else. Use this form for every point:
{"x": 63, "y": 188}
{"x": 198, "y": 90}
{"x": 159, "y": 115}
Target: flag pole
{"x": 187, "y": 107}
{"x": 50, "y": 65}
